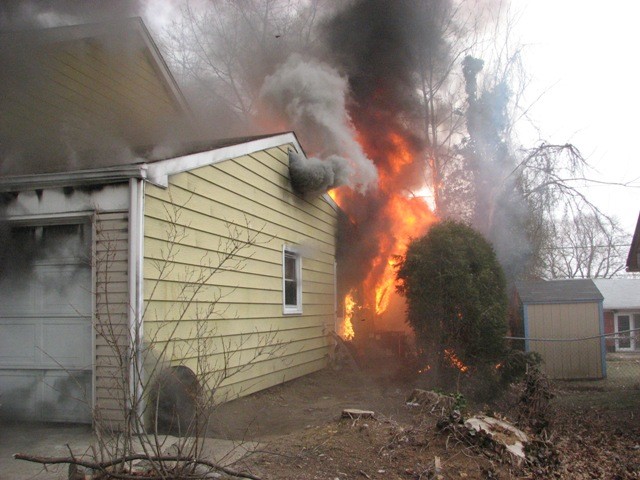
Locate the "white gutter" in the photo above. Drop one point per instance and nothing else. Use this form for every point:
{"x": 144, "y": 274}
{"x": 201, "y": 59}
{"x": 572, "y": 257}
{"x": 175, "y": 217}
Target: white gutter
{"x": 136, "y": 239}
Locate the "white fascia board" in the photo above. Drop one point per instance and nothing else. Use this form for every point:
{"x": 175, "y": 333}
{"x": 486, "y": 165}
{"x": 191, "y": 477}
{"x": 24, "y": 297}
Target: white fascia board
{"x": 70, "y": 179}
{"x": 158, "y": 172}
{"x": 331, "y": 202}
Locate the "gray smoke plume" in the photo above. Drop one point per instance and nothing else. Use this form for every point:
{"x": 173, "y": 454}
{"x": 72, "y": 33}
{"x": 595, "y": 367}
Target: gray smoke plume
{"x": 312, "y": 96}
{"x": 311, "y": 176}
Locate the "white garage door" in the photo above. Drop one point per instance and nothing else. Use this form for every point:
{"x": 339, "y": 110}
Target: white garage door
{"x": 45, "y": 324}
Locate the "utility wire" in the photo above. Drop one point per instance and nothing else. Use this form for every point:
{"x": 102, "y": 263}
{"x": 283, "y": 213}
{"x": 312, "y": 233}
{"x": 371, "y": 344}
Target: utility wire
{"x": 578, "y": 339}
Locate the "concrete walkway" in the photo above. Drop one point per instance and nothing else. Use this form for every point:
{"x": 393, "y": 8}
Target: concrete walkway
{"x": 39, "y": 439}
{"x": 54, "y": 440}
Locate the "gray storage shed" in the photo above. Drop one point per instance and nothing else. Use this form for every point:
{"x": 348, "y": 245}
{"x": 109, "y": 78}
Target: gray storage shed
{"x": 563, "y": 321}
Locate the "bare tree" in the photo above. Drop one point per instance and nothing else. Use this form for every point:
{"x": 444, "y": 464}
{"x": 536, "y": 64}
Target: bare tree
{"x": 222, "y": 50}
{"x": 586, "y": 245}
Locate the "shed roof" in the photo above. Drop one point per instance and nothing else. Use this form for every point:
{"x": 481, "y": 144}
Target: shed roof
{"x": 558, "y": 291}
{"x": 619, "y": 293}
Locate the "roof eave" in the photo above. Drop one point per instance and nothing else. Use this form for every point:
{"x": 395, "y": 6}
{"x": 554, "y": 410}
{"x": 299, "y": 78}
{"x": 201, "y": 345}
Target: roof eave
{"x": 560, "y": 302}
{"x": 159, "y": 172}
{"x": 100, "y": 176}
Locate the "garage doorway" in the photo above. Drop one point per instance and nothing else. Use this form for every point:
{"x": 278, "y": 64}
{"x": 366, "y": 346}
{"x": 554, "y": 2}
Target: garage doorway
{"x": 45, "y": 323}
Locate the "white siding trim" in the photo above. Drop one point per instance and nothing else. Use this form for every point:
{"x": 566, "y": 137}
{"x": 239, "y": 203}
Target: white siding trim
{"x": 136, "y": 239}
{"x": 94, "y": 309}
{"x": 159, "y": 172}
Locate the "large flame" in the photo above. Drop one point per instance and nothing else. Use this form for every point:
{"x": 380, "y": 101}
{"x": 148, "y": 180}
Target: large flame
{"x": 400, "y": 215}
{"x": 346, "y": 328}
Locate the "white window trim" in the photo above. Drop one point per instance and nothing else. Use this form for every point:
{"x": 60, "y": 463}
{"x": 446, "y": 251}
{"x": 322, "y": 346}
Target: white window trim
{"x": 292, "y": 309}
{"x": 632, "y": 344}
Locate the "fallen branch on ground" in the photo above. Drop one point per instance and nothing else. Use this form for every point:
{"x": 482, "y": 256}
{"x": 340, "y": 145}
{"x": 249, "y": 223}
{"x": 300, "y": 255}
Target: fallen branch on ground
{"x": 103, "y": 466}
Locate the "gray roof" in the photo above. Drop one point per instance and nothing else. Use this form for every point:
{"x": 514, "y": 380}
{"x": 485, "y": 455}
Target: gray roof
{"x": 619, "y": 293}
{"x": 558, "y": 291}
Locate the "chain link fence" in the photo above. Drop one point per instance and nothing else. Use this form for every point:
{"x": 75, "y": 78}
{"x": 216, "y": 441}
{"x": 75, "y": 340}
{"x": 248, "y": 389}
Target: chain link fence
{"x": 607, "y": 361}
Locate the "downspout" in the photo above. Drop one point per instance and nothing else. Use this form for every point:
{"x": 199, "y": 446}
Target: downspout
{"x": 136, "y": 239}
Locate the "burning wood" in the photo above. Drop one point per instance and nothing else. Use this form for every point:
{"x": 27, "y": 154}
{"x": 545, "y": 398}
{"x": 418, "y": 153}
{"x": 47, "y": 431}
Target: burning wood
{"x": 453, "y": 359}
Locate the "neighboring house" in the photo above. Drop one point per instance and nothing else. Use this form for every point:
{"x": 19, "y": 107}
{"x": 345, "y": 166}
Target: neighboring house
{"x": 563, "y": 321}
{"x": 621, "y": 312}
{"x": 103, "y": 258}
{"x": 633, "y": 260}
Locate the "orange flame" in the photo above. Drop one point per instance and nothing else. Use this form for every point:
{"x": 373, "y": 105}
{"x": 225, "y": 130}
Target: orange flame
{"x": 453, "y": 359}
{"x": 412, "y": 218}
{"x": 425, "y": 369}
{"x": 346, "y": 329}
{"x": 400, "y": 215}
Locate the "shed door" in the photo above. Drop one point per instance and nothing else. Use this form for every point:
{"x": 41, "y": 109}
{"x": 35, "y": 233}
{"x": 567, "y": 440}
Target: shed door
{"x": 45, "y": 324}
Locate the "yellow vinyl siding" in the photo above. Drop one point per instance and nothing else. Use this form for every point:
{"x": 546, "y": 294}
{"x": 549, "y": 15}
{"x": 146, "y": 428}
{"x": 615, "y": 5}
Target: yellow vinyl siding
{"x": 206, "y": 201}
{"x": 567, "y": 360}
{"x": 111, "y": 318}
{"x": 205, "y": 204}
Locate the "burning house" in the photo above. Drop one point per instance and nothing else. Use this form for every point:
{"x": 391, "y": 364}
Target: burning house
{"x": 113, "y": 243}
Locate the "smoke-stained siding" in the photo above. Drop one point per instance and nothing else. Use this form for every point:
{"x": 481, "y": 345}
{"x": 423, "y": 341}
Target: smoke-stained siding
{"x": 263, "y": 346}
{"x": 111, "y": 318}
{"x": 94, "y": 90}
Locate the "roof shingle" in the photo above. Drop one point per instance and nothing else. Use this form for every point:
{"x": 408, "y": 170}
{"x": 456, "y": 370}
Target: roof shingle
{"x": 558, "y": 291}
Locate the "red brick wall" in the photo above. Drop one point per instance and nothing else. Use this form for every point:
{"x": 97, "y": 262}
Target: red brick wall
{"x": 609, "y": 328}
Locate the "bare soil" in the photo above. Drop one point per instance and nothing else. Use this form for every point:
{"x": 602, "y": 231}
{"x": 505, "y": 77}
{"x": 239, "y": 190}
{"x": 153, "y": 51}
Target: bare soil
{"x": 303, "y": 436}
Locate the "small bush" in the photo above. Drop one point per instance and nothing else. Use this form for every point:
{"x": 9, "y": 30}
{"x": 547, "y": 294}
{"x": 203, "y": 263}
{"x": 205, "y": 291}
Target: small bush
{"x": 516, "y": 365}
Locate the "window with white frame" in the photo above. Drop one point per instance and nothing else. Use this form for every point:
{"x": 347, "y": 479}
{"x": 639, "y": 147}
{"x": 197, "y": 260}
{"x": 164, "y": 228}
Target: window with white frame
{"x": 626, "y": 336}
{"x": 291, "y": 280}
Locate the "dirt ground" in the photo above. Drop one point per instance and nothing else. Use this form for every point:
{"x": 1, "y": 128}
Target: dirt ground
{"x": 593, "y": 433}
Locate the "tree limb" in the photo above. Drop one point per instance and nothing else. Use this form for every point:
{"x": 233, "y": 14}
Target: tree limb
{"x": 102, "y": 466}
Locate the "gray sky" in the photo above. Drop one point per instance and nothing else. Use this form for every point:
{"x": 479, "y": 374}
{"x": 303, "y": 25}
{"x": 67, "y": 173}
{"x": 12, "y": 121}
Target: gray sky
{"x": 583, "y": 56}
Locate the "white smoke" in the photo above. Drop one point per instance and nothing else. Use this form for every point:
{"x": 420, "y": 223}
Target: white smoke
{"x": 312, "y": 96}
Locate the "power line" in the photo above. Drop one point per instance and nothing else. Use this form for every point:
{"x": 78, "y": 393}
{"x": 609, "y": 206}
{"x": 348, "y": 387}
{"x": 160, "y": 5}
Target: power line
{"x": 577, "y": 339}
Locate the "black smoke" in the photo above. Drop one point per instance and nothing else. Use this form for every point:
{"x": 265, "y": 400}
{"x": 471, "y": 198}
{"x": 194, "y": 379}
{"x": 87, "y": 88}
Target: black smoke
{"x": 383, "y": 48}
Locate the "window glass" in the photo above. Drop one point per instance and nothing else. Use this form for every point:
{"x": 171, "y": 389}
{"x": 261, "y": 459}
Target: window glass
{"x": 624, "y": 339}
{"x": 292, "y": 282}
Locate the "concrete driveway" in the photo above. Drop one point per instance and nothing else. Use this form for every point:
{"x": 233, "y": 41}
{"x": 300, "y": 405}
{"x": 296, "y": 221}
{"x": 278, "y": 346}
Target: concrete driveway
{"x": 54, "y": 440}
{"x": 46, "y": 439}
